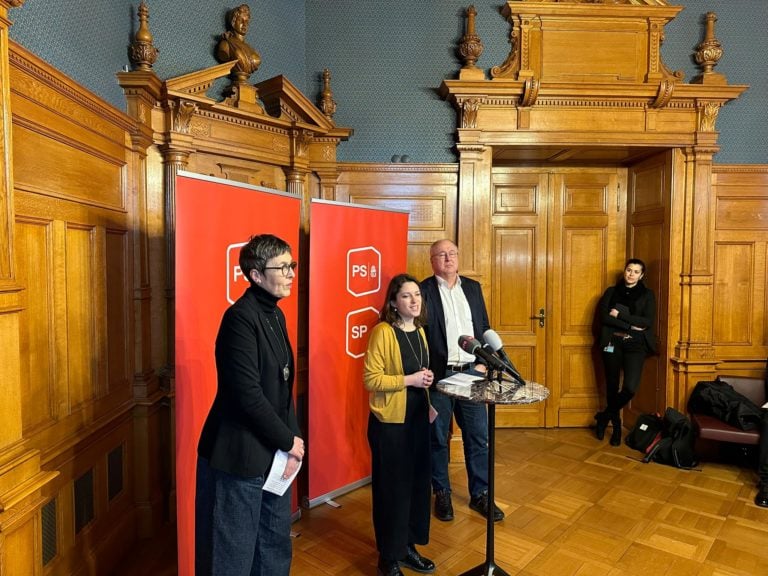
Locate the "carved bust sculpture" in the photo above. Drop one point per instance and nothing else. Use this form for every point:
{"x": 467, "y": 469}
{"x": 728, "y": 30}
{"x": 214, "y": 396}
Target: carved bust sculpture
{"x": 232, "y": 45}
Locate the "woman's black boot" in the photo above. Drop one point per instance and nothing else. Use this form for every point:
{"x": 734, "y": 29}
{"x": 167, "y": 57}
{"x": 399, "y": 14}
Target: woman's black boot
{"x": 601, "y": 423}
{"x": 616, "y": 433}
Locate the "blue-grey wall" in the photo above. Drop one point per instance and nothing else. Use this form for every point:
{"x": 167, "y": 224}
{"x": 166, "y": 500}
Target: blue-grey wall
{"x": 386, "y": 58}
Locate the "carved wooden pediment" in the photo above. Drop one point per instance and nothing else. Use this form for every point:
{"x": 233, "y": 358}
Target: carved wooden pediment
{"x": 281, "y": 103}
{"x": 283, "y": 100}
{"x": 584, "y": 72}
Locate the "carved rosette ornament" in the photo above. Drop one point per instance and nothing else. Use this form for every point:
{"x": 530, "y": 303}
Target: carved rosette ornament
{"x": 470, "y": 46}
{"x": 708, "y": 54}
{"x": 327, "y": 103}
{"x": 142, "y": 53}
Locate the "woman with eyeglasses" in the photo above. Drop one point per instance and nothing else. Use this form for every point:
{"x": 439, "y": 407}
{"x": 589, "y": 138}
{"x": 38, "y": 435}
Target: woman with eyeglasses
{"x": 241, "y": 529}
{"x": 396, "y": 373}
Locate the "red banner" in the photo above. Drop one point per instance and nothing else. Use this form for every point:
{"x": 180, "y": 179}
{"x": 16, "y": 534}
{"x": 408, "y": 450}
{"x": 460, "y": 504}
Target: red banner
{"x": 214, "y": 218}
{"x": 354, "y": 253}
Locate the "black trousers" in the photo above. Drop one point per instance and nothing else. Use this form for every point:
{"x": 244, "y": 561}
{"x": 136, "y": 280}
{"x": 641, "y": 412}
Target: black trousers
{"x": 628, "y": 357}
{"x": 401, "y": 478}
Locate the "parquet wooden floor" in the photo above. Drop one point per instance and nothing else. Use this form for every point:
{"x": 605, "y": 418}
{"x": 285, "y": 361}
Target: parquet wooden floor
{"x": 574, "y": 507}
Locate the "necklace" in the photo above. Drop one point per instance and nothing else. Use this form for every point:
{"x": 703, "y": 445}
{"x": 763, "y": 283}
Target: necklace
{"x": 283, "y": 346}
{"x": 420, "y": 357}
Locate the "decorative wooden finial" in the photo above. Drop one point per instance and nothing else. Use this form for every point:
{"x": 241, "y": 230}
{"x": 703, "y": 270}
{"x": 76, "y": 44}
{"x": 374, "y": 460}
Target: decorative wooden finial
{"x": 708, "y": 54}
{"x": 327, "y": 104}
{"x": 470, "y": 48}
{"x": 142, "y": 53}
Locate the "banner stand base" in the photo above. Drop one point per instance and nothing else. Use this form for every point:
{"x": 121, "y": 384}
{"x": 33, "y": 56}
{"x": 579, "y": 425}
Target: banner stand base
{"x": 328, "y": 498}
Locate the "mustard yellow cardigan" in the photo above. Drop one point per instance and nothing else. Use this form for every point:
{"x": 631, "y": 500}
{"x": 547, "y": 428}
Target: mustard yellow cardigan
{"x": 383, "y": 374}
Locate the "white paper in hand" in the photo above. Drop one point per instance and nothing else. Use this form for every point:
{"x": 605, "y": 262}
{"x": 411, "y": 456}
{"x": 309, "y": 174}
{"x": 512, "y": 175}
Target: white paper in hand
{"x": 275, "y": 482}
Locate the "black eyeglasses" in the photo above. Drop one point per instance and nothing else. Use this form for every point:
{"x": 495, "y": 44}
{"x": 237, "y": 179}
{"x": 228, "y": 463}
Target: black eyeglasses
{"x": 285, "y": 268}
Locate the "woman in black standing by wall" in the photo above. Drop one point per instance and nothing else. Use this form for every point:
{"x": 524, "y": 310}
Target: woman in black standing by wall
{"x": 627, "y": 316}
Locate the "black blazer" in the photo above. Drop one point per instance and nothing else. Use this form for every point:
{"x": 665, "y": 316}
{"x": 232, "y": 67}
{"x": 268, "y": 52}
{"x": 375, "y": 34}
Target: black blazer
{"x": 253, "y": 413}
{"x": 645, "y": 317}
{"x": 435, "y": 328}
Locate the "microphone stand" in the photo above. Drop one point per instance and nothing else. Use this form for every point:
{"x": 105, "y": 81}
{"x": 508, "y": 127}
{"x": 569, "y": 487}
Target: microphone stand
{"x": 489, "y": 568}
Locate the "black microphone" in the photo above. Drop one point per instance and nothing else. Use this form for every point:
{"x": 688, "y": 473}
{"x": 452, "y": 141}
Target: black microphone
{"x": 493, "y": 340}
{"x": 473, "y": 346}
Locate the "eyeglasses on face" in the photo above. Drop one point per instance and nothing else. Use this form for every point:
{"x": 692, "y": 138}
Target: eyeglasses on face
{"x": 285, "y": 268}
{"x": 444, "y": 255}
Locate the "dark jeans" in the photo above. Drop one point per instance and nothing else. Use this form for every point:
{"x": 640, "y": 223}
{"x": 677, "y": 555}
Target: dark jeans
{"x": 240, "y": 530}
{"x": 472, "y": 418}
{"x": 628, "y": 356}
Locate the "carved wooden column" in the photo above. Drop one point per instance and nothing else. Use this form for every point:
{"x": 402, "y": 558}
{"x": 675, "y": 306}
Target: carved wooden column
{"x": 142, "y": 89}
{"x": 175, "y": 160}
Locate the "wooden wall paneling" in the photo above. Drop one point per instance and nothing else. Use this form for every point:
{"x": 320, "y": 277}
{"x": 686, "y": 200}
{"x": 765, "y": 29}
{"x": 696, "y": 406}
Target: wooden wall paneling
{"x": 33, "y": 241}
{"x": 740, "y": 310}
{"x": 81, "y": 215}
{"x": 102, "y": 541}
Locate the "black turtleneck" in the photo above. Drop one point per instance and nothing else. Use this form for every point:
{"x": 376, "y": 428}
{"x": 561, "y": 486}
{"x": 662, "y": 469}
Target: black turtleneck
{"x": 267, "y": 302}
{"x": 626, "y": 295}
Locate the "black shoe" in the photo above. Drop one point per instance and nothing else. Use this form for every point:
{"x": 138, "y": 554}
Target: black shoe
{"x": 443, "y": 505}
{"x": 761, "y": 498}
{"x": 601, "y": 423}
{"x": 616, "y": 433}
{"x": 388, "y": 568}
{"x": 479, "y": 503}
{"x": 416, "y": 562}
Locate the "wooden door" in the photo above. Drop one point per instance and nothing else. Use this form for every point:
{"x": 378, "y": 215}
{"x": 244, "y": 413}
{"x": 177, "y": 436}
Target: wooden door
{"x": 558, "y": 238}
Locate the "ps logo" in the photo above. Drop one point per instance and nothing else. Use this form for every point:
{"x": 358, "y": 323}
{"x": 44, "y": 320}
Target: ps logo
{"x": 236, "y": 280}
{"x": 363, "y": 271}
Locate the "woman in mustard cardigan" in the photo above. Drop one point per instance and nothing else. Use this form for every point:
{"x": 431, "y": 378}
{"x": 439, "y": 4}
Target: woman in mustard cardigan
{"x": 397, "y": 377}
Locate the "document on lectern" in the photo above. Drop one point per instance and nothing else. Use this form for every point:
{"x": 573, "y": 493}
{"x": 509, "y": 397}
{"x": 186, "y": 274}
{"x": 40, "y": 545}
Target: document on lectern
{"x": 459, "y": 384}
{"x": 461, "y": 379}
{"x": 275, "y": 482}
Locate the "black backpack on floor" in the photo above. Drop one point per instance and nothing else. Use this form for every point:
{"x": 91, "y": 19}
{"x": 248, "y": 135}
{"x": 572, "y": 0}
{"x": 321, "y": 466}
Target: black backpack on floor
{"x": 645, "y": 434}
{"x": 676, "y": 447}
{"x": 669, "y": 440}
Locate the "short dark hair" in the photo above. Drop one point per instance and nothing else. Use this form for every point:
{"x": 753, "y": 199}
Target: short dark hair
{"x": 389, "y": 313}
{"x": 255, "y": 254}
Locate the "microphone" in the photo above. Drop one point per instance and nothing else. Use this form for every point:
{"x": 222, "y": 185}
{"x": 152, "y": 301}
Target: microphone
{"x": 493, "y": 340}
{"x": 473, "y": 346}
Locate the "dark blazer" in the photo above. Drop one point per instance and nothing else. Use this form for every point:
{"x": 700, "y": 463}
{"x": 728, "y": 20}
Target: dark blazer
{"x": 435, "y": 328}
{"x": 253, "y": 413}
{"x": 645, "y": 317}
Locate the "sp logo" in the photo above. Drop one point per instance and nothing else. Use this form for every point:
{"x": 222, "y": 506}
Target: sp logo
{"x": 359, "y": 325}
